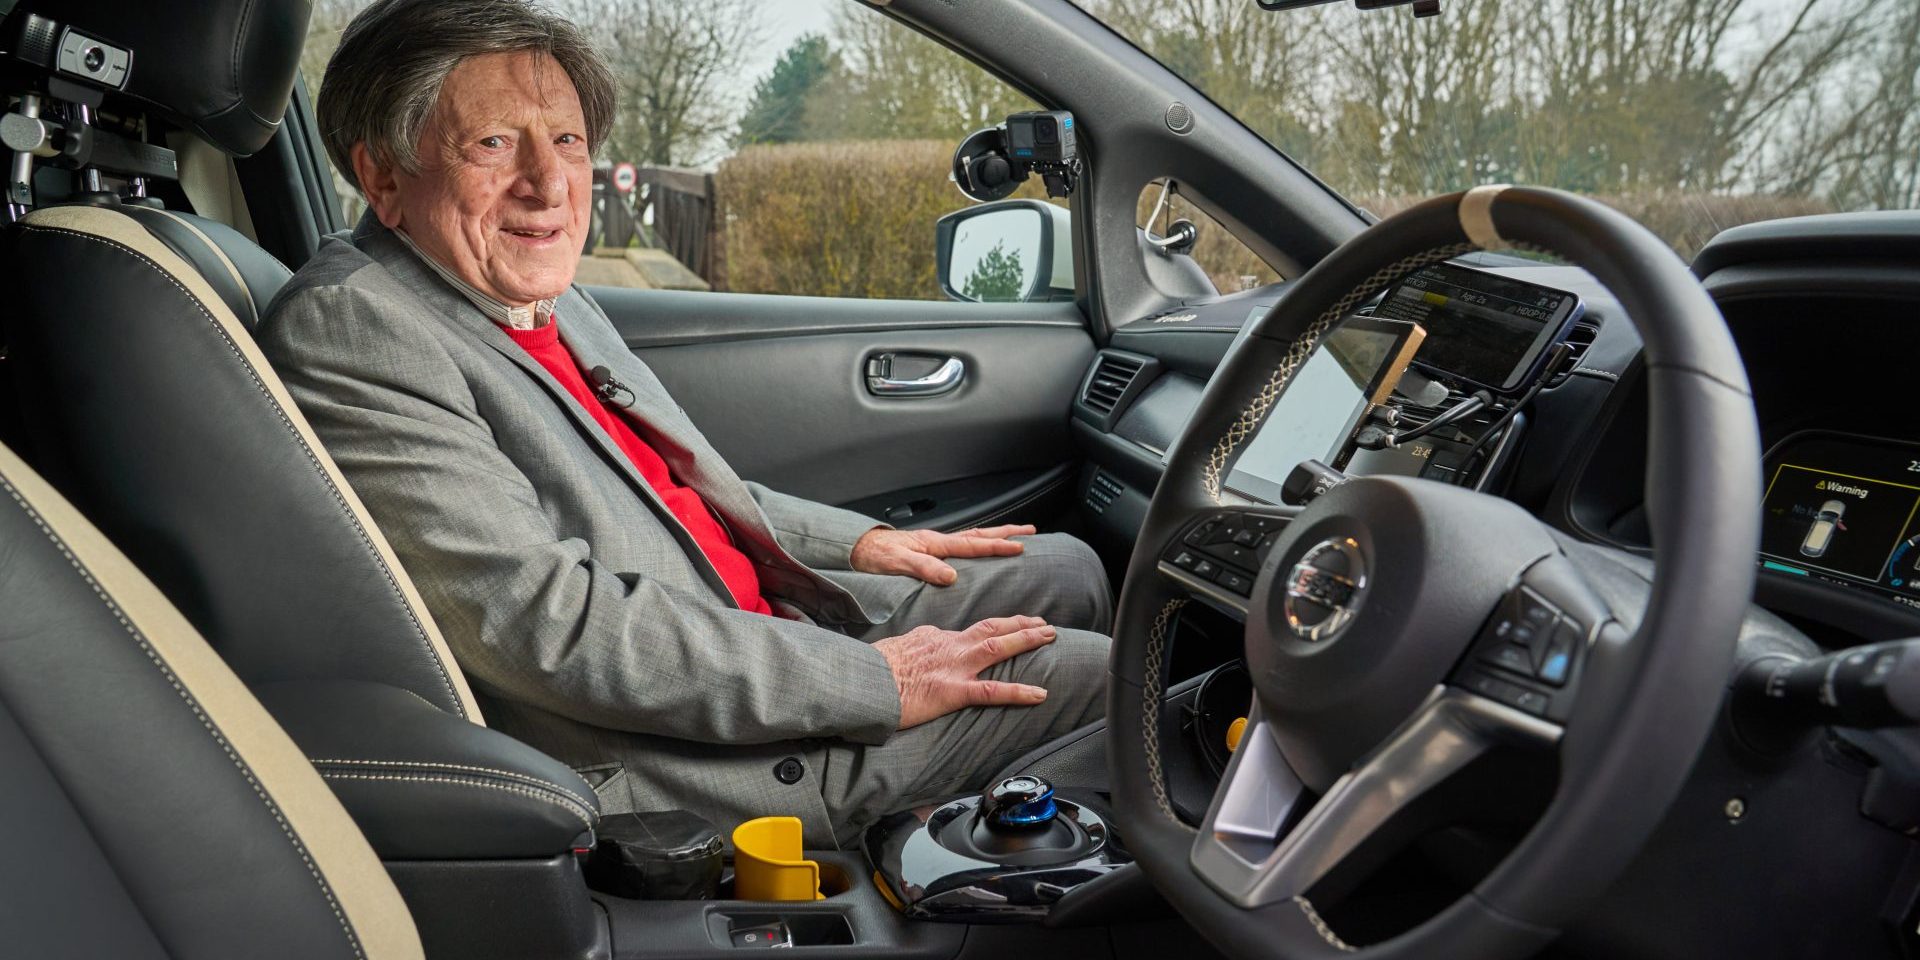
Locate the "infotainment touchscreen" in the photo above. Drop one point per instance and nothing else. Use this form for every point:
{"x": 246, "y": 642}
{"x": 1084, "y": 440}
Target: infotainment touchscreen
{"x": 1356, "y": 366}
{"x": 1485, "y": 329}
{"x": 1844, "y": 509}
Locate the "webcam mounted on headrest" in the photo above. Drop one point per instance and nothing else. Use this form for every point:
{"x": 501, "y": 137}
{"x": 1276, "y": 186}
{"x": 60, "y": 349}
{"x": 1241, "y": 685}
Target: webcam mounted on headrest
{"x": 85, "y": 76}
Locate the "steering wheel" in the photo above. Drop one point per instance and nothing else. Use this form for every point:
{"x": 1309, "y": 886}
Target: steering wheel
{"x": 1378, "y": 609}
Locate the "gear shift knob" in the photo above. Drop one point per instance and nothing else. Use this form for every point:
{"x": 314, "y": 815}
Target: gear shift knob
{"x": 1021, "y": 802}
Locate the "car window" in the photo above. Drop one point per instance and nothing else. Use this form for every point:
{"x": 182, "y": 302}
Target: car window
{"x": 1689, "y": 116}
{"x": 797, "y": 148}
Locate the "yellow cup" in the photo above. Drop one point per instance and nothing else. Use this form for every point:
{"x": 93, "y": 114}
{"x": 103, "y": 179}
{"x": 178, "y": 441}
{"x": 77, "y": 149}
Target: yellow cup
{"x": 767, "y": 862}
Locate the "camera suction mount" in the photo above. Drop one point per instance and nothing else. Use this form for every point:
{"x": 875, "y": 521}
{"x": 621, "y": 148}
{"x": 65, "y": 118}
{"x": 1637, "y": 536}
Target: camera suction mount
{"x": 992, "y": 163}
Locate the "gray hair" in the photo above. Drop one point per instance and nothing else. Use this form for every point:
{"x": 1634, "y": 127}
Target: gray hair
{"x": 384, "y": 79}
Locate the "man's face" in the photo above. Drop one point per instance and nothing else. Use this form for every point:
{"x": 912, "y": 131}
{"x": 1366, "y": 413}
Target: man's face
{"x": 506, "y": 180}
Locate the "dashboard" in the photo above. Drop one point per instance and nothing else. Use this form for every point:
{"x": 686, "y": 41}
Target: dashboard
{"x": 1824, "y": 312}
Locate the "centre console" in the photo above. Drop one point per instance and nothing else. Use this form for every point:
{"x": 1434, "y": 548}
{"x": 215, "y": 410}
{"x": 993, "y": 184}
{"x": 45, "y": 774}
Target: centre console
{"x": 1007, "y": 855}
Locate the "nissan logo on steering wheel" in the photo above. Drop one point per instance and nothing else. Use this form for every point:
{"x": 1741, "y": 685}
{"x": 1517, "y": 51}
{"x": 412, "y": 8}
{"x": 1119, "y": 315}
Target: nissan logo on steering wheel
{"x": 1324, "y": 589}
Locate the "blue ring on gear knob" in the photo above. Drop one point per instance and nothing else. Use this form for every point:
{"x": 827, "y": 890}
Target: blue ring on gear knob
{"x": 1022, "y": 801}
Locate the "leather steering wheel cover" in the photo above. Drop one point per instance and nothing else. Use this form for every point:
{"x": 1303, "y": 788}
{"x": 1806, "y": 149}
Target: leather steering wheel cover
{"x": 1703, "y": 496}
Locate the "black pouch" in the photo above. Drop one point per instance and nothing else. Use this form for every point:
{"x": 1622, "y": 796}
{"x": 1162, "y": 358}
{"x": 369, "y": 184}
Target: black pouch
{"x": 665, "y": 855}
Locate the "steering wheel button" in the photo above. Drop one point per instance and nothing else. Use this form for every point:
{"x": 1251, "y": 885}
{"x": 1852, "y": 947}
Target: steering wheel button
{"x": 1185, "y": 560}
{"x": 1531, "y": 701}
{"x": 1266, "y": 527}
{"x": 1236, "y": 583}
{"x": 1205, "y": 570}
{"x": 1487, "y": 686}
{"x": 1536, "y": 613}
{"x": 1556, "y": 661}
{"x": 1510, "y": 657}
{"x": 1238, "y": 556}
{"x": 1554, "y": 671}
{"x": 1246, "y": 537}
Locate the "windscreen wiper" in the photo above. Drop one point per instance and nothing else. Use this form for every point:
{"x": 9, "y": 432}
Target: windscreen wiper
{"x": 1421, "y": 8}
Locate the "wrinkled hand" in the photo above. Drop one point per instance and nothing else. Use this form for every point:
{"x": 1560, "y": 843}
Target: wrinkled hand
{"x": 919, "y": 553}
{"x": 938, "y": 671}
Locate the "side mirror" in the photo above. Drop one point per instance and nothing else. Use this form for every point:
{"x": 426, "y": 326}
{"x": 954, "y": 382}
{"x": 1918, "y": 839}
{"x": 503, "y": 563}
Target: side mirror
{"x": 1012, "y": 251}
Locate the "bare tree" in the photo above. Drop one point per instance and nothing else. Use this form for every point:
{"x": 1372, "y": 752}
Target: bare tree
{"x": 892, "y": 83}
{"x": 678, "y": 63}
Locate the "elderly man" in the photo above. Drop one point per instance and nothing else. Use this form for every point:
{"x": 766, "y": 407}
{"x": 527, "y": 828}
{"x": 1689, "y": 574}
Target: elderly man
{"x": 618, "y": 595}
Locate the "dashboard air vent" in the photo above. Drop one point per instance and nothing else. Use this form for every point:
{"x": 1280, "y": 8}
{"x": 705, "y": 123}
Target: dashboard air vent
{"x": 1580, "y": 338}
{"x": 1112, "y": 375}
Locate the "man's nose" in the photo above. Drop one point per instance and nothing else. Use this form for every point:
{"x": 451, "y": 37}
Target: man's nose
{"x": 542, "y": 177}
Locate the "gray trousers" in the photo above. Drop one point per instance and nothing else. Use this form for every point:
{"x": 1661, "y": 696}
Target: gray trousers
{"x": 1058, "y": 578}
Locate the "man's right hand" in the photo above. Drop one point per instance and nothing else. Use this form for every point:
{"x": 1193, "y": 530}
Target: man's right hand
{"x": 938, "y": 671}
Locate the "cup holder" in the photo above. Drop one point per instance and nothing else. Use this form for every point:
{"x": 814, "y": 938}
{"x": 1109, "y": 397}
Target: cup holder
{"x": 833, "y": 882}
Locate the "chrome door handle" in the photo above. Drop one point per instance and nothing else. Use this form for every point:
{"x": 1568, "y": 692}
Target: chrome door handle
{"x": 944, "y": 380}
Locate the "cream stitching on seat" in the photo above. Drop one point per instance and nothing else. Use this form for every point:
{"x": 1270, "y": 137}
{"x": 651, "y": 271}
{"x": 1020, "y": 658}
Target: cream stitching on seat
{"x": 508, "y": 774}
{"x": 286, "y": 829}
{"x": 586, "y": 818}
{"x": 312, "y": 457}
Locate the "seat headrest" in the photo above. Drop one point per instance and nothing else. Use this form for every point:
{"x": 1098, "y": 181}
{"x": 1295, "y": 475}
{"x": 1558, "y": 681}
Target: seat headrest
{"x": 223, "y": 68}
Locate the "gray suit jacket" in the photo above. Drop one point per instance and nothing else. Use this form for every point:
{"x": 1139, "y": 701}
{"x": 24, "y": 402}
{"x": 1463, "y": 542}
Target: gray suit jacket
{"x": 573, "y": 599}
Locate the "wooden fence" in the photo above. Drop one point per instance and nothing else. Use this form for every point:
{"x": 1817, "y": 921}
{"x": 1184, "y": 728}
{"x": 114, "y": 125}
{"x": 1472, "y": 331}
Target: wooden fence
{"x": 686, "y": 218}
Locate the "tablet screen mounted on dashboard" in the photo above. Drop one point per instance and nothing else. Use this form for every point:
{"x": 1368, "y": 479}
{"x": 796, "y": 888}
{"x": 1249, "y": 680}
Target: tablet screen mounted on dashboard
{"x": 1355, "y": 367}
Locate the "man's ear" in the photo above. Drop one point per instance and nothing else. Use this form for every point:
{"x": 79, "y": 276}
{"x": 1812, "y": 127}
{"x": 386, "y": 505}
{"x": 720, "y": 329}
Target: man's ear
{"x": 379, "y": 184}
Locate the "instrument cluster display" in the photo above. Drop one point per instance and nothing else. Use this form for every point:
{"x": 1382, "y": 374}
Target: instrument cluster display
{"x": 1844, "y": 509}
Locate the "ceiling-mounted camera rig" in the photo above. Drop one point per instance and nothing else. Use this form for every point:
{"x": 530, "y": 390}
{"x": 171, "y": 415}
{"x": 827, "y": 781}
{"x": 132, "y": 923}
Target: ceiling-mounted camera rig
{"x": 1421, "y": 8}
{"x": 992, "y": 163}
{"x": 60, "y": 77}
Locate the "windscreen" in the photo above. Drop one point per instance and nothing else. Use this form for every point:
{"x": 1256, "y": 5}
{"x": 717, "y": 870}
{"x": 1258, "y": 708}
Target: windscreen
{"x": 1689, "y": 116}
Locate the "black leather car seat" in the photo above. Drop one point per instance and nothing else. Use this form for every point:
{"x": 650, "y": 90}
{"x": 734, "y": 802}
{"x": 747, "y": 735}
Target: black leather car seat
{"x": 151, "y": 408}
{"x": 148, "y": 406}
{"x": 150, "y": 807}
{"x": 146, "y": 403}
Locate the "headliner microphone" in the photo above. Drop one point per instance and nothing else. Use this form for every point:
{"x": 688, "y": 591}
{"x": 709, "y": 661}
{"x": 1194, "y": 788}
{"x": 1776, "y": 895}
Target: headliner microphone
{"x": 607, "y": 388}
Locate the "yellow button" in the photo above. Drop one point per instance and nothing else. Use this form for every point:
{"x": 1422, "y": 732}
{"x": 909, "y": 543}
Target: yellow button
{"x": 1235, "y": 731}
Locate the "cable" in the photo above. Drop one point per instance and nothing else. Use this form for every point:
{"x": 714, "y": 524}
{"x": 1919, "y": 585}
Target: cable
{"x": 1561, "y": 352}
{"x": 1377, "y": 439}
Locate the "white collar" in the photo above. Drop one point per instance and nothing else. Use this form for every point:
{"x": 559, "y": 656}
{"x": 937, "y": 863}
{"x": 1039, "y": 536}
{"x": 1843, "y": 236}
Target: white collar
{"x": 519, "y": 318}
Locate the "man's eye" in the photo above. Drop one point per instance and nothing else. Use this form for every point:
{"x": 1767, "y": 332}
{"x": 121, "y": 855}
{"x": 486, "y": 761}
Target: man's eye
{"x": 492, "y": 143}
{"x": 567, "y": 138}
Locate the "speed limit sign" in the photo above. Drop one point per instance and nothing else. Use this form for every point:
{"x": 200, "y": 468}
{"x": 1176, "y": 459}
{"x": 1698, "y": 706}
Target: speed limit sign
{"x": 624, "y": 177}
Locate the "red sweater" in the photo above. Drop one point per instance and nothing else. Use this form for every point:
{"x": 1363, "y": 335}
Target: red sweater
{"x": 545, "y": 347}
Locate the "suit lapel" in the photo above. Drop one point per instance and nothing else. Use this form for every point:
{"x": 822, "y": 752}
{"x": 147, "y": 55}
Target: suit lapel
{"x": 659, "y": 420}
{"x": 448, "y": 302}
{"x": 656, "y": 417}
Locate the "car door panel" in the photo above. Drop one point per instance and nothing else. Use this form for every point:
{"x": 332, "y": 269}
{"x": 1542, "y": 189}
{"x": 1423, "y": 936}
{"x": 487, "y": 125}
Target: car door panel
{"x": 780, "y": 386}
